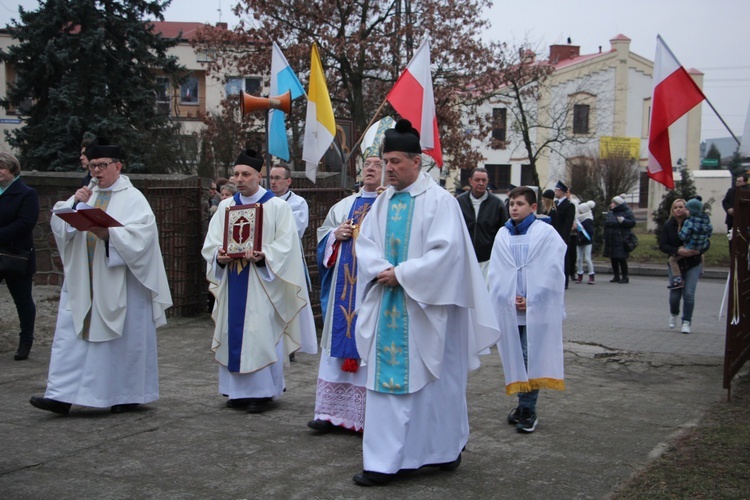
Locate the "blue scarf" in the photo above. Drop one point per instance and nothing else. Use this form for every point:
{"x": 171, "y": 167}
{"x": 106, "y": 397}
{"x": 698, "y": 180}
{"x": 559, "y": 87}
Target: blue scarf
{"x": 521, "y": 227}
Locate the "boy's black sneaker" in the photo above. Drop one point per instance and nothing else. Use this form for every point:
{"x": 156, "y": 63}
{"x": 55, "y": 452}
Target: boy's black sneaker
{"x": 527, "y": 422}
{"x": 514, "y": 416}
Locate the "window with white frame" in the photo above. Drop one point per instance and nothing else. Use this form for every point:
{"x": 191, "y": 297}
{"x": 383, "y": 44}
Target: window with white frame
{"x": 250, "y": 84}
{"x": 189, "y": 91}
{"x": 163, "y": 94}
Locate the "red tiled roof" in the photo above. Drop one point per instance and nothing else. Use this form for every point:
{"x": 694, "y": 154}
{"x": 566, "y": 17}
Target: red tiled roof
{"x": 172, "y": 29}
{"x": 579, "y": 59}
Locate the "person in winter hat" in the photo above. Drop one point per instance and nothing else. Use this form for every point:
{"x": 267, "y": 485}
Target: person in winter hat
{"x": 585, "y": 224}
{"x": 695, "y": 234}
{"x": 618, "y": 225}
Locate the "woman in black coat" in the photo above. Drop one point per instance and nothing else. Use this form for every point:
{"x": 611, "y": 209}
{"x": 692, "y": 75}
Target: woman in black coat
{"x": 19, "y": 211}
{"x": 691, "y": 266}
{"x": 618, "y": 224}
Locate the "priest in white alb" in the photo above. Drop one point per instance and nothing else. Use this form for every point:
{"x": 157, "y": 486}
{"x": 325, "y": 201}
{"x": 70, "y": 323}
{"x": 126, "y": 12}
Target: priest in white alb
{"x": 424, "y": 316}
{"x": 262, "y": 311}
{"x": 340, "y": 395}
{"x": 114, "y": 296}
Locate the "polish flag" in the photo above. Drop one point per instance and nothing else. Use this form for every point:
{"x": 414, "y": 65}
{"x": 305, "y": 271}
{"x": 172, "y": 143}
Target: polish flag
{"x": 413, "y": 99}
{"x": 675, "y": 93}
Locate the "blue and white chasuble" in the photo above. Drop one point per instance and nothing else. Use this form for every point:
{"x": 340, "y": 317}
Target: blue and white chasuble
{"x": 344, "y": 317}
{"x": 237, "y": 282}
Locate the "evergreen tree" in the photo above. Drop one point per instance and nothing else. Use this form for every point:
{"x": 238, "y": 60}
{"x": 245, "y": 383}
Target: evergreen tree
{"x": 714, "y": 154}
{"x": 684, "y": 188}
{"x": 735, "y": 165}
{"x": 89, "y": 65}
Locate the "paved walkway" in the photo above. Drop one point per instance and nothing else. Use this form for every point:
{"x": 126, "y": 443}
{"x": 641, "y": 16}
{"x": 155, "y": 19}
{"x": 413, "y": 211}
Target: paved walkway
{"x": 632, "y": 385}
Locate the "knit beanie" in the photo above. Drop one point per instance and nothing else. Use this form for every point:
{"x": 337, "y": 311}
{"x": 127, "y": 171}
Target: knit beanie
{"x": 549, "y": 194}
{"x": 584, "y": 210}
{"x": 619, "y": 200}
{"x": 694, "y": 206}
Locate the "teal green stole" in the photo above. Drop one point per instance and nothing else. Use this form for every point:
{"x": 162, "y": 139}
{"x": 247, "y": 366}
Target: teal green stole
{"x": 392, "y": 362}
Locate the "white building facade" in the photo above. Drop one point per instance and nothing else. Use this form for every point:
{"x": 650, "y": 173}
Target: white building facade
{"x": 587, "y": 97}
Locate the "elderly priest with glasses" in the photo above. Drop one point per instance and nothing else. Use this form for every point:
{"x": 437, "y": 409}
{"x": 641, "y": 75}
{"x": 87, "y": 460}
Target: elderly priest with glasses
{"x": 114, "y": 296}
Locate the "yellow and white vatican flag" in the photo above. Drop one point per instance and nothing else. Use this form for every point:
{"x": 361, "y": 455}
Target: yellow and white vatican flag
{"x": 320, "y": 126}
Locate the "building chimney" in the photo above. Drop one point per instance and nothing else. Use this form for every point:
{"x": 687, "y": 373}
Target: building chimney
{"x": 526, "y": 56}
{"x": 559, "y": 53}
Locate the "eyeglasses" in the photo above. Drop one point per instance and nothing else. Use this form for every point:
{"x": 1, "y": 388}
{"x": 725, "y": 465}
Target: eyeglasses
{"x": 100, "y": 166}
{"x": 376, "y": 164}
{"x": 277, "y": 178}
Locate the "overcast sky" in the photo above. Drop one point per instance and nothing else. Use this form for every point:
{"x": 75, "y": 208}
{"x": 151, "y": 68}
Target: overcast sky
{"x": 709, "y": 35}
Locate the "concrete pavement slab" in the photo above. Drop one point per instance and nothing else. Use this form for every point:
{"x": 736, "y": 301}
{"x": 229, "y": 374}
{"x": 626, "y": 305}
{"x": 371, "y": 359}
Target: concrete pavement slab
{"x": 632, "y": 385}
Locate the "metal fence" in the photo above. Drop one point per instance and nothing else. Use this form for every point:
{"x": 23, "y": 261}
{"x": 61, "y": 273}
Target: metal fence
{"x": 181, "y": 216}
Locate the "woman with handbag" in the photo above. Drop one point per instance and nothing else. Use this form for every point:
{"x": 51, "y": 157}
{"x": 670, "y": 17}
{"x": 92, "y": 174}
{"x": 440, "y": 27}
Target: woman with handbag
{"x": 19, "y": 211}
{"x": 619, "y": 239}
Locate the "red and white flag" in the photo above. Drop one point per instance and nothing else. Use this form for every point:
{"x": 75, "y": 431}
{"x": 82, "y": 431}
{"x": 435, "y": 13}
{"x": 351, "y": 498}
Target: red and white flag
{"x": 413, "y": 99}
{"x": 675, "y": 93}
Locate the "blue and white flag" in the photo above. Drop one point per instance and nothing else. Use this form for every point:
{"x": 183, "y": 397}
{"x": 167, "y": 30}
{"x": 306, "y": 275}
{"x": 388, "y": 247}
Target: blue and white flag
{"x": 282, "y": 79}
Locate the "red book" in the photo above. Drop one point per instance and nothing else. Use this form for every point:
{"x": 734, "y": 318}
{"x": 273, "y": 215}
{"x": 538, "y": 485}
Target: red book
{"x": 243, "y": 229}
{"x": 86, "y": 217}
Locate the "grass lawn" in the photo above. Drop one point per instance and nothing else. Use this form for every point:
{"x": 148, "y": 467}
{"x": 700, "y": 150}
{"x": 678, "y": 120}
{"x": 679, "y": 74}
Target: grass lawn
{"x": 709, "y": 461}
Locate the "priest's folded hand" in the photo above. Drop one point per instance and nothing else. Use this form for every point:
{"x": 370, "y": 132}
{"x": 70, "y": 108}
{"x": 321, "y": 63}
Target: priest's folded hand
{"x": 388, "y": 277}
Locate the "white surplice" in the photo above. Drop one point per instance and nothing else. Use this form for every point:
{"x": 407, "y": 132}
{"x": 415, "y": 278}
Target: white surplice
{"x": 299, "y": 209}
{"x": 543, "y": 275}
{"x": 278, "y": 317}
{"x": 340, "y": 395}
{"x": 117, "y": 361}
{"x": 450, "y": 323}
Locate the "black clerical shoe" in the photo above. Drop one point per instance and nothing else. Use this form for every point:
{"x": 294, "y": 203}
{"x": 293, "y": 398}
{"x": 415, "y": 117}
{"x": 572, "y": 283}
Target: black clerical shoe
{"x": 258, "y": 405}
{"x": 450, "y": 466}
{"x": 322, "y": 426}
{"x": 124, "y": 408}
{"x": 369, "y": 478}
{"x": 238, "y": 403}
{"x": 50, "y": 405}
{"x": 24, "y": 348}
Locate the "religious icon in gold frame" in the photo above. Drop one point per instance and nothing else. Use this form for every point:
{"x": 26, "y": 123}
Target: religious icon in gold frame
{"x": 243, "y": 229}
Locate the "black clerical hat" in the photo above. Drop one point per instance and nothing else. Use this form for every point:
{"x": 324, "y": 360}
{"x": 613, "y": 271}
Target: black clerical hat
{"x": 101, "y": 148}
{"x": 403, "y": 138}
{"x": 251, "y": 158}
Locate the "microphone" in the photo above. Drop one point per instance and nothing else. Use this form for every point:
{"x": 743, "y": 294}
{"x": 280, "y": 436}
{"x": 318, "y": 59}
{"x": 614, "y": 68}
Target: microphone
{"x": 92, "y": 184}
